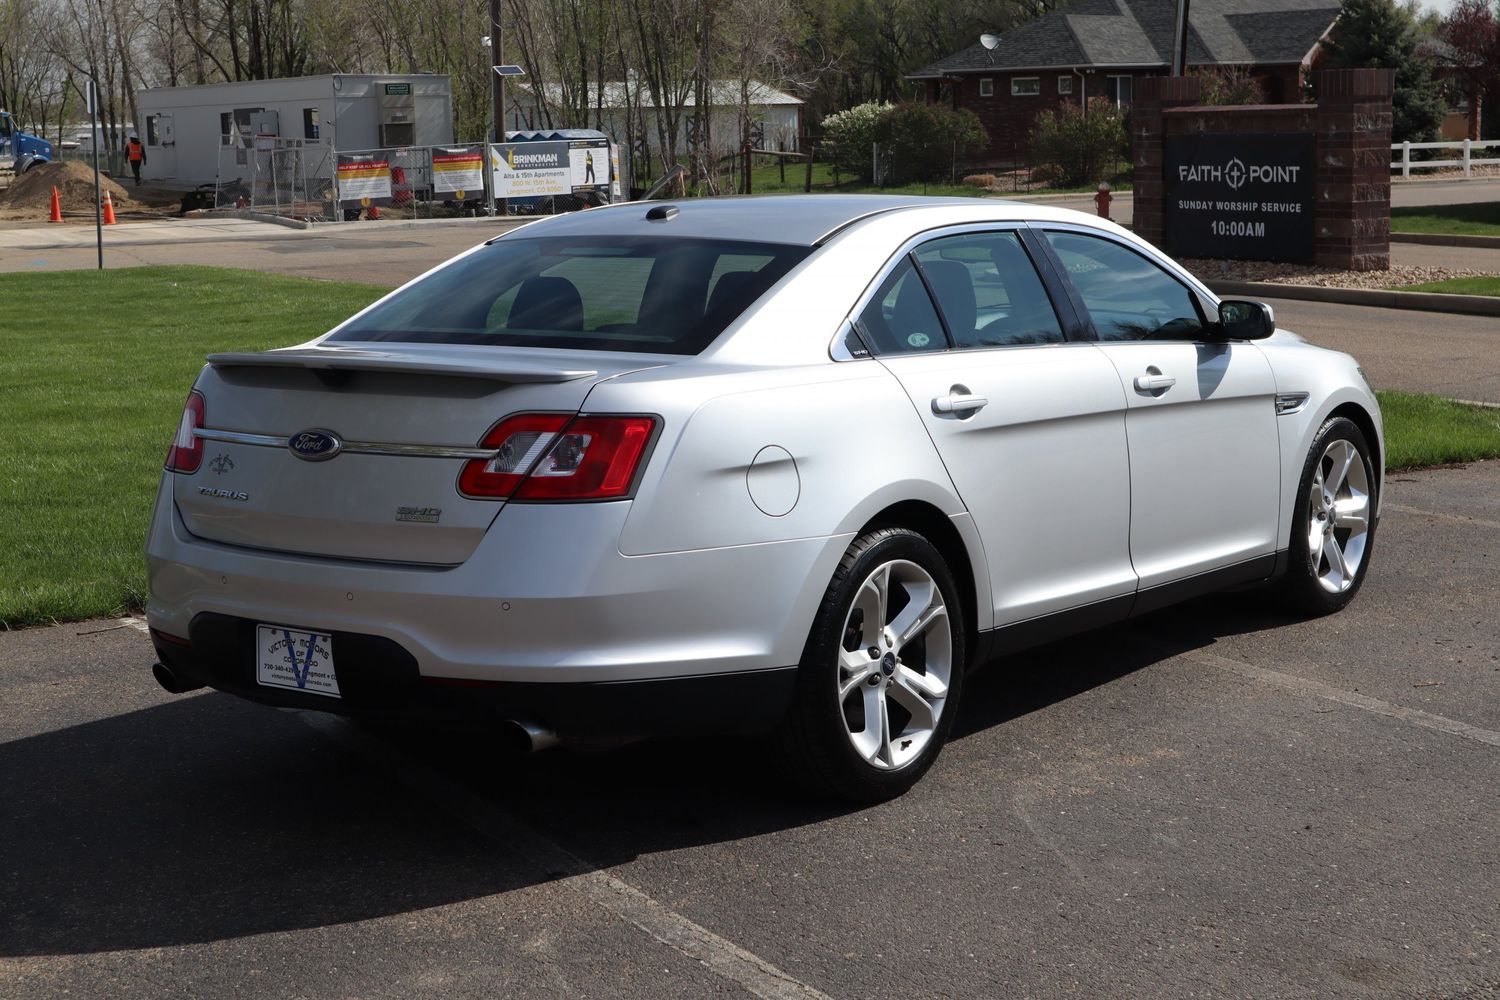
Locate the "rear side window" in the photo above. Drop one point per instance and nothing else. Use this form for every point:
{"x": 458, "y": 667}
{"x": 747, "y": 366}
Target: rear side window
{"x": 900, "y": 319}
{"x": 989, "y": 291}
{"x": 1128, "y": 297}
{"x": 650, "y": 294}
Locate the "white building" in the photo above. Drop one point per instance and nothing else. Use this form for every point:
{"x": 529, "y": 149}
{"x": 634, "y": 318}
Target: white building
{"x": 192, "y": 134}
{"x": 775, "y": 116}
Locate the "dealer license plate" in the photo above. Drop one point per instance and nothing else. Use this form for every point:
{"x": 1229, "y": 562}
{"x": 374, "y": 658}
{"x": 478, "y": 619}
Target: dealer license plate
{"x": 298, "y": 661}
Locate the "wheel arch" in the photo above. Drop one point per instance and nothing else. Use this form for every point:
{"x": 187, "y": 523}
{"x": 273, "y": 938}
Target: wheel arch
{"x": 939, "y": 529}
{"x": 1366, "y": 423}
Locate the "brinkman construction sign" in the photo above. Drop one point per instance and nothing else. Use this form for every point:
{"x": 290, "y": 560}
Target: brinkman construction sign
{"x": 1239, "y": 197}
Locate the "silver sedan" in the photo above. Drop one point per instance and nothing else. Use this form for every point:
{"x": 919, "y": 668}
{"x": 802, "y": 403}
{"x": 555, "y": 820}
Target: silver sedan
{"x": 767, "y": 465}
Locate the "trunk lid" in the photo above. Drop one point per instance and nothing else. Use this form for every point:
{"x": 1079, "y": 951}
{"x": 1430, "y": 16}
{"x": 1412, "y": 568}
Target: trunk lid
{"x": 404, "y": 416}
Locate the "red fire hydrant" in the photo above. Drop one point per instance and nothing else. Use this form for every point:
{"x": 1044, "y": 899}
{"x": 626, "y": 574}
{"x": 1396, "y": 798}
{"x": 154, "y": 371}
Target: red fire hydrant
{"x": 1102, "y": 200}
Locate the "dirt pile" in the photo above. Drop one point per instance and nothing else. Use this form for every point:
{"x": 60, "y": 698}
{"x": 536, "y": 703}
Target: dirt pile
{"x": 74, "y": 182}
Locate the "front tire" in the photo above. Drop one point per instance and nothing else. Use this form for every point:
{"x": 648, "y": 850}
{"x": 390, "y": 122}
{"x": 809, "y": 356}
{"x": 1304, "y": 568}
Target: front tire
{"x": 1333, "y": 524}
{"x": 878, "y": 686}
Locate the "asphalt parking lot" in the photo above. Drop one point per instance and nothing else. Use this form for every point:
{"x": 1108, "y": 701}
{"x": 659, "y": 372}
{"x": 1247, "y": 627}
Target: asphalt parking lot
{"x": 1215, "y": 801}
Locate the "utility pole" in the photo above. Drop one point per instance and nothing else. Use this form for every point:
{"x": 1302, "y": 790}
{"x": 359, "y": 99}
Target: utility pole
{"x": 1180, "y": 40}
{"x": 497, "y": 82}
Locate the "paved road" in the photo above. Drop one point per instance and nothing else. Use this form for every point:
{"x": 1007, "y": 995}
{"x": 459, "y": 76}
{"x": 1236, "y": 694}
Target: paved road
{"x": 1457, "y": 356}
{"x": 1214, "y": 801}
{"x": 1427, "y": 352}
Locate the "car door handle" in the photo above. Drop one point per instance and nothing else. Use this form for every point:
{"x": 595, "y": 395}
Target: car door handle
{"x": 958, "y": 402}
{"x": 1154, "y": 383}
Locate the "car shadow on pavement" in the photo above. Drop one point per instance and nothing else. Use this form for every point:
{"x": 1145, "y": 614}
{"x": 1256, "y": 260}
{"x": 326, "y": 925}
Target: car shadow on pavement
{"x": 208, "y": 818}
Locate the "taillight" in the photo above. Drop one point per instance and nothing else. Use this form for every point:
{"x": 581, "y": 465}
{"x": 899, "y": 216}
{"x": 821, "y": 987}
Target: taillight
{"x": 186, "y": 453}
{"x": 547, "y": 456}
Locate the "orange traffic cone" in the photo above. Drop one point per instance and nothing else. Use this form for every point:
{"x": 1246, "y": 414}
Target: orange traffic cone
{"x": 109, "y": 210}
{"x": 56, "y": 215}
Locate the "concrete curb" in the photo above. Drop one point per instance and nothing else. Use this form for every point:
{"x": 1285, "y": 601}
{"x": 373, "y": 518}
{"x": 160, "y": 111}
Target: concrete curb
{"x": 1043, "y": 198}
{"x": 1468, "y": 305}
{"x": 1445, "y": 240}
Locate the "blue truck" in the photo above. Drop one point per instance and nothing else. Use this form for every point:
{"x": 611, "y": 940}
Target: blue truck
{"x": 23, "y": 148}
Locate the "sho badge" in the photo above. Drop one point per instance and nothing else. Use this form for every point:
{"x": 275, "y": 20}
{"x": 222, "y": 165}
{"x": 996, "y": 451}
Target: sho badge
{"x": 426, "y": 515}
{"x": 210, "y": 491}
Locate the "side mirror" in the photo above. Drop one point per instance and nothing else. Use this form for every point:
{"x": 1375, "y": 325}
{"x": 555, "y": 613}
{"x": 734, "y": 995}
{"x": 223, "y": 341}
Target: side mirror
{"x": 1241, "y": 319}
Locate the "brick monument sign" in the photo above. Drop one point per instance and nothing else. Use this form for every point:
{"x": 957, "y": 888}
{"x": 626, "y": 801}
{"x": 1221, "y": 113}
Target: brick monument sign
{"x": 1309, "y": 183}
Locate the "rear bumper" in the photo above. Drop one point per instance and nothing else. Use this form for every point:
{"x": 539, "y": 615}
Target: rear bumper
{"x": 546, "y": 598}
{"x": 383, "y": 681}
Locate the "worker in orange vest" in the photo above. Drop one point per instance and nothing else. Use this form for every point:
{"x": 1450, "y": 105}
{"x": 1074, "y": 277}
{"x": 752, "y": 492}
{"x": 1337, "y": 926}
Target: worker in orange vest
{"x": 137, "y": 153}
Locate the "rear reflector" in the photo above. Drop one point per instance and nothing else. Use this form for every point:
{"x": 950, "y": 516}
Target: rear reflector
{"x": 548, "y": 456}
{"x": 173, "y": 640}
{"x": 186, "y": 453}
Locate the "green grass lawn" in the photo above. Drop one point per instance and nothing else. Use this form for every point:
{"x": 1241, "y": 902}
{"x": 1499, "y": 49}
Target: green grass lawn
{"x": 1455, "y": 286}
{"x": 1473, "y": 219}
{"x": 93, "y": 382}
{"x": 94, "y": 373}
{"x": 1422, "y": 430}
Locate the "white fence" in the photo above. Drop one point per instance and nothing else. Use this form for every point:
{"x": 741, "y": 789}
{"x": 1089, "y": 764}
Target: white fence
{"x": 1467, "y": 161}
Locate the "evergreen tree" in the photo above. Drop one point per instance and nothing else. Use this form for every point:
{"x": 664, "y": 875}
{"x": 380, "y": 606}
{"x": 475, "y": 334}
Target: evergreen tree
{"x": 1378, "y": 34}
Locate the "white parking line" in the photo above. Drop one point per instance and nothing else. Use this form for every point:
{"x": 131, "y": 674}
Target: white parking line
{"x": 1304, "y": 685}
{"x": 625, "y": 901}
{"x": 139, "y": 624}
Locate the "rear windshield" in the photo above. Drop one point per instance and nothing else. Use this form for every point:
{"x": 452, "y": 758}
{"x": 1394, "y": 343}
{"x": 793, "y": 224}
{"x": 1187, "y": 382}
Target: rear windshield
{"x": 653, "y": 294}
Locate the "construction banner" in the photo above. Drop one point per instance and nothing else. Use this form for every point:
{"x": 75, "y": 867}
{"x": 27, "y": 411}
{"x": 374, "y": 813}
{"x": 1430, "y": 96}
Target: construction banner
{"x": 459, "y": 170}
{"x": 364, "y": 176}
{"x": 531, "y": 169}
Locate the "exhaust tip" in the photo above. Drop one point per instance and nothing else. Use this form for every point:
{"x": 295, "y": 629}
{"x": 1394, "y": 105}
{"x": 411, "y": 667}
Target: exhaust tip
{"x": 529, "y": 737}
{"x": 171, "y": 682}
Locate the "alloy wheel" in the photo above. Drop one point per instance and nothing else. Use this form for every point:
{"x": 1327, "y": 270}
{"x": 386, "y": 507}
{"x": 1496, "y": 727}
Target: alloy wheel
{"x": 895, "y": 664}
{"x": 1338, "y": 516}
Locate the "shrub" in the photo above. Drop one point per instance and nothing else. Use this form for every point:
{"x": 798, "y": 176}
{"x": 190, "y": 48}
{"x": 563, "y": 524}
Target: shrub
{"x": 1084, "y": 148}
{"x": 848, "y": 136}
{"x": 980, "y": 180}
{"x": 1226, "y": 85}
{"x": 926, "y": 140}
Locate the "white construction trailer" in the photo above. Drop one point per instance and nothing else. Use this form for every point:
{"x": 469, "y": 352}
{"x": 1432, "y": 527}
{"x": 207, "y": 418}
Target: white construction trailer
{"x": 197, "y": 135}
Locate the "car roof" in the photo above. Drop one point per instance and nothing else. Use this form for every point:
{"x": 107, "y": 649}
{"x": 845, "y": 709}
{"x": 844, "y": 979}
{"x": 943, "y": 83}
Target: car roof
{"x": 800, "y": 219}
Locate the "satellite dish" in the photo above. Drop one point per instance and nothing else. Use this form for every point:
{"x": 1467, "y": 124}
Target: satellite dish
{"x": 990, "y": 42}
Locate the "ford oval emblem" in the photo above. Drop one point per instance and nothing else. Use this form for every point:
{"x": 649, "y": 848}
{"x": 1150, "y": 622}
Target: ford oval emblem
{"x": 315, "y": 445}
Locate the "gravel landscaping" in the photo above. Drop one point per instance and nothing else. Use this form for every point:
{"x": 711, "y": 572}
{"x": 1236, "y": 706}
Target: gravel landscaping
{"x": 1308, "y": 274}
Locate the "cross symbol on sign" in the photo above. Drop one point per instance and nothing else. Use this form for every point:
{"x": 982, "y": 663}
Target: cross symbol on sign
{"x": 1235, "y": 173}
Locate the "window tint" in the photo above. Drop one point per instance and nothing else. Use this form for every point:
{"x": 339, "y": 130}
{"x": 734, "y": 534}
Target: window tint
{"x": 1128, "y": 297}
{"x": 989, "y": 291}
{"x": 628, "y": 293}
{"x": 900, "y": 318}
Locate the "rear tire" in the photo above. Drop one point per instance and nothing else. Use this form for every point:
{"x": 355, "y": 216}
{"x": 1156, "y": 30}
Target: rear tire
{"x": 1333, "y": 522}
{"x": 867, "y": 727}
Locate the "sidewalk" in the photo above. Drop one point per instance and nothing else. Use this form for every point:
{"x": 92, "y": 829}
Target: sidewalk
{"x": 218, "y": 230}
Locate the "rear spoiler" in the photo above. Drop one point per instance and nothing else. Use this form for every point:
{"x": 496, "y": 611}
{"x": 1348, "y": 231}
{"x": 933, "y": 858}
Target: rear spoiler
{"x": 505, "y": 369}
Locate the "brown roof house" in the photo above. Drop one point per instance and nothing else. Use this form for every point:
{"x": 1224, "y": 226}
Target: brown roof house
{"x": 1099, "y": 48}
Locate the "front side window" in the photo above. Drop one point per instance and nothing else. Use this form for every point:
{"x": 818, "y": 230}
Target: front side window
{"x": 900, "y": 319}
{"x": 986, "y": 87}
{"x": 1119, "y": 88}
{"x": 1127, "y": 296}
{"x": 1064, "y": 84}
{"x": 648, "y": 294}
{"x": 1025, "y": 86}
{"x": 989, "y": 291}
